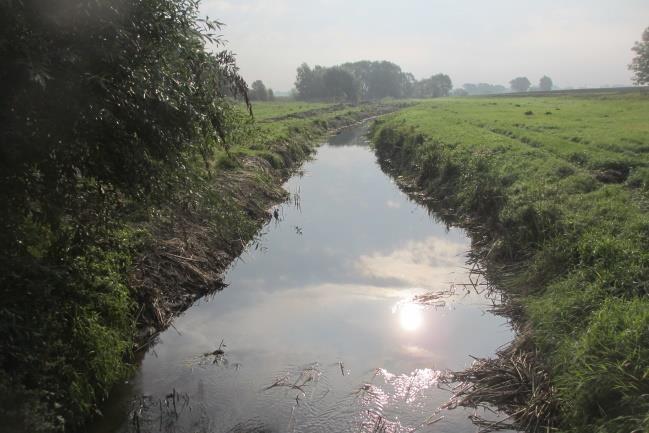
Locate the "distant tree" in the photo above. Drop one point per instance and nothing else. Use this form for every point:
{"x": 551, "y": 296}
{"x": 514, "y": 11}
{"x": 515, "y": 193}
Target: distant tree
{"x": 358, "y": 80}
{"x": 378, "y": 80}
{"x": 640, "y": 63}
{"x": 385, "y": 80}
{"x": 362, "y": 71}
{"x": 309, "y": 83}
{"x": 340, "y": 85}
{"x": 270, "y": 95}
{"x": 441, "y": 84}
{"x": 545, "y": 84}
{"x": 434, "y": 87}
{"x": 408, "y": 85}
{"x": 258, "y": 91}
{"x": 520, "y": 84}
{"x": 484, "y": 89}
{"x": 303, "y": 81}
{"x": 471, "y": 89}
{"x": 459, "y": 92}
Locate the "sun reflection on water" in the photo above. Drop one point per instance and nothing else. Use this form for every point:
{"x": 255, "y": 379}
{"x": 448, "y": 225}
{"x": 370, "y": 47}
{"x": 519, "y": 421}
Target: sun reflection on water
{"x": 411, "y": 316}
{"x": 377, "y": 403}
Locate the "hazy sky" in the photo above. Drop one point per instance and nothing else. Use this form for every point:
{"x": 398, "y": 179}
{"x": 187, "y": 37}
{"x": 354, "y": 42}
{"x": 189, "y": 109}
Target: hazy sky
{"x": 576, "y": 42}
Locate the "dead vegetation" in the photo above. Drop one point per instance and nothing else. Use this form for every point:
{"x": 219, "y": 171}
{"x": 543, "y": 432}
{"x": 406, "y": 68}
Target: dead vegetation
{"x": 309, "y": 374}
{"x": 514, "y": 383}
{"x": 306, "y": 114}
{"x": 189, "y": 255}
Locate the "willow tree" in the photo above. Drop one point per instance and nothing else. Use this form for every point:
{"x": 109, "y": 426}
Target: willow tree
{"x": 105, "y": 105}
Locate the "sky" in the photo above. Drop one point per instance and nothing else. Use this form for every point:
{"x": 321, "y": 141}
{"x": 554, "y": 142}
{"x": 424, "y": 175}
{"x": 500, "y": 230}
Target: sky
{"x": 578, "y": 43}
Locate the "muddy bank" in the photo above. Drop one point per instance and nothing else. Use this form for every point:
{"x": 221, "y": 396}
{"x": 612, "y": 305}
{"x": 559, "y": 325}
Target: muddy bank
{"x": 188, "y": 254}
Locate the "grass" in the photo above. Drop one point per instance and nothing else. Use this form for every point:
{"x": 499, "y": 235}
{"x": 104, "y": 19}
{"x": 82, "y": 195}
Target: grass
{"x": 561, "y": 185}
{"x": 264, "y": 110}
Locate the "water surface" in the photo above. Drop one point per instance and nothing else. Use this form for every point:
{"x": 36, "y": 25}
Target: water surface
{"x": 318, "y": 332}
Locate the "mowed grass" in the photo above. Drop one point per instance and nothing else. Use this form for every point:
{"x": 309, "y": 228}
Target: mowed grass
{"x": 278, "y": 120}
{"x": 561, "y": 184}
{"x": 264, "y": 110}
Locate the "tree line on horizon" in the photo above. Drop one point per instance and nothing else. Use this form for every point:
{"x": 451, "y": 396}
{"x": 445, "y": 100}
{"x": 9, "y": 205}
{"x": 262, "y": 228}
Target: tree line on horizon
{"x": 366, "y": 80}
{"x": 373, "y": 80}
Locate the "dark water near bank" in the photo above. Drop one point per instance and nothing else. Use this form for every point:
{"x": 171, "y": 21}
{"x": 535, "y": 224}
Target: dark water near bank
{"x": 319, "y": 334}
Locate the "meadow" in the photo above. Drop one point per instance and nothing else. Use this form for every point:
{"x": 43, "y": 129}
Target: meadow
{"x": 555, "y": 190}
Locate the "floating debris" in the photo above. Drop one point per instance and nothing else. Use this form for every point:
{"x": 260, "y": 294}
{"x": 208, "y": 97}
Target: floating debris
{"x": 307, "y": 375}
{"x": 215, "y": 357}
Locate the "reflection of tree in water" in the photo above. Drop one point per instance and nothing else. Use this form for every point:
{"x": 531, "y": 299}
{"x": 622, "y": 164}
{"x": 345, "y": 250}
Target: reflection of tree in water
{"x": 177, "y": 412}
{"x": 149, "y": 414}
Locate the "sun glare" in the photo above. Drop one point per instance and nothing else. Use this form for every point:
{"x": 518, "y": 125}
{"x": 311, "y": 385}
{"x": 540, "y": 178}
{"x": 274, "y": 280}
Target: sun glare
{"x": 410, "y": 317}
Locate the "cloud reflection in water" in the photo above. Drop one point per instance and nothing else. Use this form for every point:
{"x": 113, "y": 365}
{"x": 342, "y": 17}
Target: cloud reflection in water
{"x": 427, "y": 263}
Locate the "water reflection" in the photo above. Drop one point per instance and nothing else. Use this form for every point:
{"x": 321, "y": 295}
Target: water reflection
{"x": 410, "y": 316}
{"x": 432, "y": 261}
{"x": 321, "y": 327}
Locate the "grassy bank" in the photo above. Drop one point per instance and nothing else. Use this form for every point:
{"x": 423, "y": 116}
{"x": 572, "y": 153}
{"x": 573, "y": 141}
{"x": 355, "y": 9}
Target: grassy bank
{"x": 556, "y": 193}
{"x": 71, "y": 329}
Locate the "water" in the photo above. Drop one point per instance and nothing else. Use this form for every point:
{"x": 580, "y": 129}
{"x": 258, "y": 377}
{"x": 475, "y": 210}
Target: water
{"x": 319, "y": 334}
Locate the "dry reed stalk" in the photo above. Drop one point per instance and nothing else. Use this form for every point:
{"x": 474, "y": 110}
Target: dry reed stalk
{"x": 514, "y": 383}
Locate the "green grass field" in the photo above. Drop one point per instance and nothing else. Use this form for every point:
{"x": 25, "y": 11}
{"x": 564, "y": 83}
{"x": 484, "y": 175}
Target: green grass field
{"x": 278, "y": 120}
{"x": 561, "y": 185}
{"x": 264, "y": 110}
